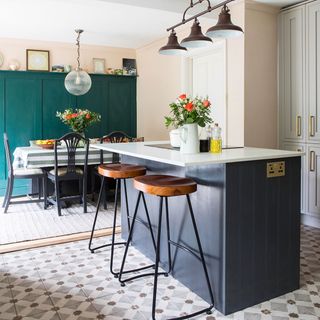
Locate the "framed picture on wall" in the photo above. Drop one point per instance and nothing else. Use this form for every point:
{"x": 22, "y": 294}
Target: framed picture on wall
{"x": 99, "y": 65}
{"x": 129, "y": 66}
{"x": 38, "y": 60}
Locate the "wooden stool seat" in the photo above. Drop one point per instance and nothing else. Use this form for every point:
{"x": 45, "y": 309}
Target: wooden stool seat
{"x": 165, "y": 186}
{"x": 121, "y": 171}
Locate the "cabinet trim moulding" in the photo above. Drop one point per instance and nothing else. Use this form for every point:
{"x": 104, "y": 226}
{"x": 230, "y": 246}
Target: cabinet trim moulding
{"x": 299, "y": 4}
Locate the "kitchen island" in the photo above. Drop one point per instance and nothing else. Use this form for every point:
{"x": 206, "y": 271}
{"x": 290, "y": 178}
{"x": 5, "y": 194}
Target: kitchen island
{"x": 248, "y": 212}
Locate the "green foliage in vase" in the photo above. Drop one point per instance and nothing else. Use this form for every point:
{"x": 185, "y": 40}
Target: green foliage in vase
{"x": 186, "y": 110}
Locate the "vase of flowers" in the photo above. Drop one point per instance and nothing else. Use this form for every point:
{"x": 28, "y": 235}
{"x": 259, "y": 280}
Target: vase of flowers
{"x": 78, "y": 119}
{"x": 187, "y": 114}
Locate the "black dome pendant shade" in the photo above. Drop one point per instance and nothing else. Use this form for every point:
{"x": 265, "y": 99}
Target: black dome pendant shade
{"x": 196, "y": 39}
{"x": 224, "y": 28}
{"x": 172, "y": 47}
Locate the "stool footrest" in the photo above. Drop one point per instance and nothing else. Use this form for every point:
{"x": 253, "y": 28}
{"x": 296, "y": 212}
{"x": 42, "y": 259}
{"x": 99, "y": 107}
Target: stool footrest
{"x": 108, "y": 245}
{"x": 180, "y": 246}
{"x": 141, "y": 275}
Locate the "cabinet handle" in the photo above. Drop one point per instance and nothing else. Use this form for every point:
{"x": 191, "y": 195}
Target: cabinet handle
{"x": 299, "y": 150}
{"x": 312, "y": 161}
{"x": 312, "y": 126}
{"x": 298, "y": 126}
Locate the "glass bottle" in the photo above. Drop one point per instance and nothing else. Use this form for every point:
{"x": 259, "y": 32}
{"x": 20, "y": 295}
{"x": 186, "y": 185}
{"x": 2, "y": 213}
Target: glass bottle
{"x": 216, "y": 139}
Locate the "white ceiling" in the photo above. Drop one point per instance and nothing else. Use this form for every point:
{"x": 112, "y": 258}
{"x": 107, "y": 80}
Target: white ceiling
{"x": 117, "y": 23}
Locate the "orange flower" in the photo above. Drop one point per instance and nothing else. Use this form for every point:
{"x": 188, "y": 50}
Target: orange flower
{"x": 74, "y": 115}
{"x": 88, "y": 116}
{"x": 206, "y": 103}
{"x": 189, "y": 106}
{"x": 68, "y": 116}
{"x": 183, "y": 96}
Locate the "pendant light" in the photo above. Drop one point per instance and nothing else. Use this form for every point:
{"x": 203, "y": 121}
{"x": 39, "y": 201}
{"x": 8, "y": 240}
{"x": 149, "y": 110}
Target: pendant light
{"x": 78, "y": 82}
{"x": 224, "y": 28}
{"x": 196, "y": 39}
{"x": 172, "y": 47}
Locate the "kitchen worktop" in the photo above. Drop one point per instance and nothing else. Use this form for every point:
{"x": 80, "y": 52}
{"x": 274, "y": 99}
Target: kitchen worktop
{"x": 152, "y": 150}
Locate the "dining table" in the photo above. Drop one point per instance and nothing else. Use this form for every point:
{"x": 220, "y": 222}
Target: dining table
{"x": 35, "y": 157}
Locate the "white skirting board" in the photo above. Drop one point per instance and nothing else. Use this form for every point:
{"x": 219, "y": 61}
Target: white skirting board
{"x": 309, "y": 220}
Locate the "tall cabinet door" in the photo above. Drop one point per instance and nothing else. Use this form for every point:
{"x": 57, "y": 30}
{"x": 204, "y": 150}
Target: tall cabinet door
{"x": 292, "y": 74}
{"x": 313, "y": 181}
{"x": 313, "y": 70}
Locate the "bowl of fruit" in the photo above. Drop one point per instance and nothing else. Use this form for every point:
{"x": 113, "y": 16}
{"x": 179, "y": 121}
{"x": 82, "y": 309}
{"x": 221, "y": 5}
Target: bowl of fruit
{"x": 45, "y": 144}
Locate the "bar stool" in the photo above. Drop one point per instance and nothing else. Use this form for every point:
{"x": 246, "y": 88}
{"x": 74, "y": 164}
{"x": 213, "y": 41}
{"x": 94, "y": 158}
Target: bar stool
{"x": 165, "y": 186}
{"x": 119, "y": 172}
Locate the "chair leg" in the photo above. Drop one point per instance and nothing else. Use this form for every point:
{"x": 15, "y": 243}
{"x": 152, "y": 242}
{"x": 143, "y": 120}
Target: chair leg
{"x": 96, "y": 215}
{"x": 149, "y": 221}
{"x": 80, "y": 191}
{"x": 45, "y": 192}
{"x": 127, "y": 205}
{"x": 57, "y": 192}
{"x": 105, "y": 206}
{"x": 201, "y": 252}
{"x": 10, "y": 187}
{"x": 156, "y": 268}
{"x": 39, "y": 188}
{"x": 84, "y": 195}
{"x": 6, "y": 194}
{"x": 93, "y": 180}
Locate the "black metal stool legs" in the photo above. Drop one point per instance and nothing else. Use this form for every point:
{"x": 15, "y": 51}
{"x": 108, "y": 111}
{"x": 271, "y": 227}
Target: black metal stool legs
{"x": 149, "y": 226}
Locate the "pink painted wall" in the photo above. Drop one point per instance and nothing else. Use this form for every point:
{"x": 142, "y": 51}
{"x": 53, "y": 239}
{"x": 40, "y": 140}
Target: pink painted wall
{"x": 63, "y": 53}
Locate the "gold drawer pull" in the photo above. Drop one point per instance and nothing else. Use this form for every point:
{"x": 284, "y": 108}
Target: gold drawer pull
{"x": 312, "y": 127}
{"x": 312, "y": 161}
{"x": 298, "y": 126}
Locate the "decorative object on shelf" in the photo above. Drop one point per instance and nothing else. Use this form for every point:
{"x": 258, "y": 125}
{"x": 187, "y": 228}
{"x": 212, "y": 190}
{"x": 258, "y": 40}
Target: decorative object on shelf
{"x": 187, "y": 114}
{"x": 99, "y": 65}
{"x": 78, "y": 82}
{"x": 224, "y": 28}
{"x": 14, "y": 65}
{"x": 67, "y": 68}
{"x": 38, "y": 60}
{"x": 57, "y": 68}
{"x": 110, "y": 71}
{"x": 129, "y": 66}
{"x": 78, "y": 119}
{"x": 1, "y": 59}
{"x": 118, "y": 72}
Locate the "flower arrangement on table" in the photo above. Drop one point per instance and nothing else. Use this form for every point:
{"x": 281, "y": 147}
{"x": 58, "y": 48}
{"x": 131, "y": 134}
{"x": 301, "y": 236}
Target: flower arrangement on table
{"x": 78, "y": 119}
{"x": 186, "y": 110}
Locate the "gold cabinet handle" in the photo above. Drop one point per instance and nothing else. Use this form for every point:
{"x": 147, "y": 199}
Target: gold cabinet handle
{"x": 312, "y": 127}
{"x": 312, "y": 161}
{"x": 298, "y": 126}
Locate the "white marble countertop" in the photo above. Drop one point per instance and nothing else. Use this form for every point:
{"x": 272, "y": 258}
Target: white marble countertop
{"x": 145, "y": 151}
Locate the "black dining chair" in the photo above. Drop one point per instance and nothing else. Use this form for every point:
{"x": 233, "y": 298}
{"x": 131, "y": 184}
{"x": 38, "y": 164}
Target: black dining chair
{"x": 22, "y": 173}
{"x": 71, "y": 171}
{"x": 113, "y": 137}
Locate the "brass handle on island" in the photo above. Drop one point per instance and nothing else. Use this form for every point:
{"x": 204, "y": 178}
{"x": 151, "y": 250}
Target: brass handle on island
{"x": 312, "y": 161}
{"x": 298, "y": 126}
{"x": 312, "y": 132}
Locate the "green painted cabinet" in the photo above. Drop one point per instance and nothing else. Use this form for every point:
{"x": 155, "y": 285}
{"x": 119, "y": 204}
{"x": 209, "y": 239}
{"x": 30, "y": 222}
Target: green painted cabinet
{"x": 29, "y": 101}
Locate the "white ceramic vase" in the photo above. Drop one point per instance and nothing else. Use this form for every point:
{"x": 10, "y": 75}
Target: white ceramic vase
{"x": 189, "y": 139}
{"x": 175, "y": 140}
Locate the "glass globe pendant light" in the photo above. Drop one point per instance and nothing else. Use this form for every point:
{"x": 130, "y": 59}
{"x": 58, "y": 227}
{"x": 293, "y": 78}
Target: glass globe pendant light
{"x": 77, "y": 81}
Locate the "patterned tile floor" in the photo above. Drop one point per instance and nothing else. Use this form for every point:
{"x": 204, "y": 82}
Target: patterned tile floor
{"x": 66, "y": 282}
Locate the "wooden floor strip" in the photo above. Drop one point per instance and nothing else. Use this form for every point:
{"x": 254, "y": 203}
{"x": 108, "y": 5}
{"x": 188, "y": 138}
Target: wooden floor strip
{"x": 6, "y": 248}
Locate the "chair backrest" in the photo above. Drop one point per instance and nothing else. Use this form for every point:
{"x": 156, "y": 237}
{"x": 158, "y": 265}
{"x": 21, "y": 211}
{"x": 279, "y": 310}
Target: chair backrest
{"x": 71, "y": 141}
{"x": 8, "y": 154}
{"x": 117, "y": 137}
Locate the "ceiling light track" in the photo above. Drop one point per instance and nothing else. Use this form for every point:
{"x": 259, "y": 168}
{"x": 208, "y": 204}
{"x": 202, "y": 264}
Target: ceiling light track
{"x": 223, "y": 29}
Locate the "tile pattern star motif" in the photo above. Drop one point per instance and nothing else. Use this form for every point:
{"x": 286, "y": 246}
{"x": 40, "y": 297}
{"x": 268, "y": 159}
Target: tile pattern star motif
{"x": 67, "y": 282}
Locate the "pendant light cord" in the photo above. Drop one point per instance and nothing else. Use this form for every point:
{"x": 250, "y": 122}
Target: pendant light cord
{"x": 78, "y": 50}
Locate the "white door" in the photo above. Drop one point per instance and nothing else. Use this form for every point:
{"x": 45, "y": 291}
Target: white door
{"x": 209, "y": 79}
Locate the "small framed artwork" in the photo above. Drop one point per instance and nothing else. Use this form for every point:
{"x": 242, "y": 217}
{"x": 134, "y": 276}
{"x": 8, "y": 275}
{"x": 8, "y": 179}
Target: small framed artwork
{"x": 129, "y": 66}
{"x": 38, "y": 60}
{"x": 99, "y": 65}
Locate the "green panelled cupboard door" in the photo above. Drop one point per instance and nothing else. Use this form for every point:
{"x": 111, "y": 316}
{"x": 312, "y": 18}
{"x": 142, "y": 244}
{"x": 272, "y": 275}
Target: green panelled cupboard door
{"x": 23, "y": 116}
{"x": 2, "y": 156}
{"x": 55, "y": 98}
{"x": 122, "y": 104}
{"x": 96, "y": 100}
